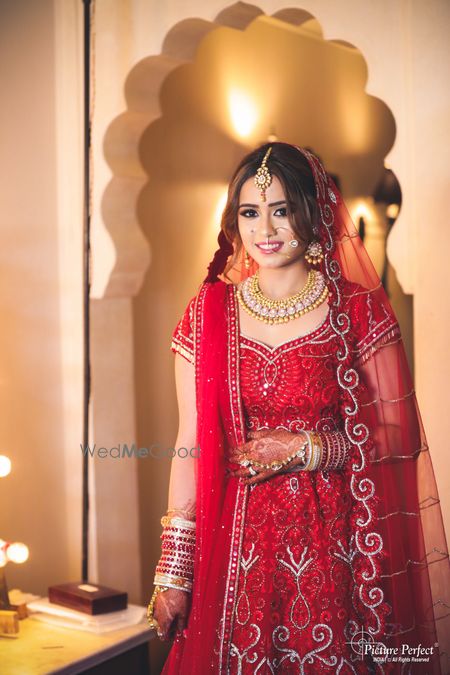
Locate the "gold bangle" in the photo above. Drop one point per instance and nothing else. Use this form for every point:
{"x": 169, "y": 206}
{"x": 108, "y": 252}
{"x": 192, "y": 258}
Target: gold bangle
{"x": 171, "y": 581}
{"x": 317, "y": 450}
{"x": 189, "y": 515}
{"x": 310, "y": 461}
{"x": 167, "y": 521}
{"x": 154, "y": 625}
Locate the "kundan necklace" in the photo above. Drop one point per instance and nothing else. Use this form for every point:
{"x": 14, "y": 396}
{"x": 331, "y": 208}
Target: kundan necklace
{"x": 255, "y": 303}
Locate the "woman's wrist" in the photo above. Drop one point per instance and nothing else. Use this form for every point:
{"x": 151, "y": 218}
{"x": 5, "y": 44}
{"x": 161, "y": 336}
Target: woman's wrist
{"x": 189, "y": 513}
{"x": 326, "y": 451}
{"x": 301, "y": 459}
{"x": 175, "y": 568}
{"x": 178, "y": 513}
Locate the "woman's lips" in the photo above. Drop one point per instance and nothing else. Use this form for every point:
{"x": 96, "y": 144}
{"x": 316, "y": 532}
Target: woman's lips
{"x": 272, "y": 247}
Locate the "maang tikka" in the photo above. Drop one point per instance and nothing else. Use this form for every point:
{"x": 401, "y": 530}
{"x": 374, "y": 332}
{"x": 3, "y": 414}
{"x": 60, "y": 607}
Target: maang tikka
{"x": 263, "y": 176}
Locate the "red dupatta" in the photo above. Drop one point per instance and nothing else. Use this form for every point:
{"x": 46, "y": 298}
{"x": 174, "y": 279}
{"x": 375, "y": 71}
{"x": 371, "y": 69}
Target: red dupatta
{"x": 399, "y": 560}
{"x": 220, "y": 499}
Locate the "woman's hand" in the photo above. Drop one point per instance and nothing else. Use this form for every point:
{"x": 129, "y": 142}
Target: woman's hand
{"x": 171, "y": 611}
{"x": 266, "y": 446}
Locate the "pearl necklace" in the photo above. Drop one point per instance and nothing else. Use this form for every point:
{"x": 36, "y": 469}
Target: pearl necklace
{"x": 270, "y": 311}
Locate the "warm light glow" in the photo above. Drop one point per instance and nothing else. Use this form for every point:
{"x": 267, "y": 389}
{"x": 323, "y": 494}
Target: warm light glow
{"x": 5, "y": 466}
{"x": 17, "y": 552}
{"x": 360, "y": 209}
{"x": 220, "y": 205}
{"x": 243, "y": 112}
{"x": 392, "y": 211}
{"x": 3, "y": 560}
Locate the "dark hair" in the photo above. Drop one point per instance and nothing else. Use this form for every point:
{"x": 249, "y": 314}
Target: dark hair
{"x": 294, "y": 172}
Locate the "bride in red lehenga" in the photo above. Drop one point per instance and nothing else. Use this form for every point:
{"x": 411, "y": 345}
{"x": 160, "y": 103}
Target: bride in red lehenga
{"x": 306, "y": 536}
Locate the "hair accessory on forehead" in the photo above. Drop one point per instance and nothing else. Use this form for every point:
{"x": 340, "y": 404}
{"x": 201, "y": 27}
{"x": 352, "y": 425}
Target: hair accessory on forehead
{"x": 263, "y": 176}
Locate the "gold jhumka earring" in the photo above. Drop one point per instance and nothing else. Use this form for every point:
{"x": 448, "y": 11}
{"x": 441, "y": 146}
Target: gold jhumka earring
{"x": 314, "y": 253}
{"x": 246, "y": 260}
{"x": 263, "y": 176}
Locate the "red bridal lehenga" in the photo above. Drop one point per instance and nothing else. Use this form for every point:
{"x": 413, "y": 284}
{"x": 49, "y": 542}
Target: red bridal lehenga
{"x": 313, "y": 572}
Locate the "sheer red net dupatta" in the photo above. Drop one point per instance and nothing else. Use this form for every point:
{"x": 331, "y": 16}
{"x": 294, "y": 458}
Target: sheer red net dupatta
{"x": 382, "y": 420}
{"x": 220, "y": 499}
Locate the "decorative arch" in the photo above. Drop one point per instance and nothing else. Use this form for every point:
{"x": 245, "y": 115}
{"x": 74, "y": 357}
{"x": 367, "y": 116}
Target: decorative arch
{"x": 133, "y": 251}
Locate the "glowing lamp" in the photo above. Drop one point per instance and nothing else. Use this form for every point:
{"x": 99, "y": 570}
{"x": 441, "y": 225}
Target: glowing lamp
{"x": 17, "y": 552}
{"x": 243, "y": 112}
{"x": 5, "y": 466}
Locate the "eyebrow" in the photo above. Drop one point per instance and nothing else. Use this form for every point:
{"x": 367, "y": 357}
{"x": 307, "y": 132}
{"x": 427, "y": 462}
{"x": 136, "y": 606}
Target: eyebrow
{"x": 283, "y": 201}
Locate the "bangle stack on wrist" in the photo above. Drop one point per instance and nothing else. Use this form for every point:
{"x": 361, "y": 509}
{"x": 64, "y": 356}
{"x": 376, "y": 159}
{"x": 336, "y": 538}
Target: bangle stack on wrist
{"x": 314, "y": 452}
{"x": 325, "y": 451}
{"x": 175, "y": 568}
{"x": 335, "y": 450}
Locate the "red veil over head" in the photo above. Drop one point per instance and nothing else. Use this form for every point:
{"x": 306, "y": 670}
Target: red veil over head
{"x": 397, "y": 549}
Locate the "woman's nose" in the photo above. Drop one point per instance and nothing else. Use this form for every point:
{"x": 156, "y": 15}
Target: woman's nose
{"x": 266, "y": 226}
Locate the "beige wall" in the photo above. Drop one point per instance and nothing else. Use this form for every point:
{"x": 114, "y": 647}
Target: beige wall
{"x": 41, "y": 192}
{"x": 40, "y": 297}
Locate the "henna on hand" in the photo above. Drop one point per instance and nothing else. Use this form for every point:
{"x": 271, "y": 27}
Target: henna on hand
{"x": 171, "y": 612}
{"x": 266, "y": 446}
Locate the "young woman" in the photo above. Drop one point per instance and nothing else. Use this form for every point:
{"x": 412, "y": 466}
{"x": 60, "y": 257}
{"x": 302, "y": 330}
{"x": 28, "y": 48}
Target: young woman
{"x": 307, "y": 536}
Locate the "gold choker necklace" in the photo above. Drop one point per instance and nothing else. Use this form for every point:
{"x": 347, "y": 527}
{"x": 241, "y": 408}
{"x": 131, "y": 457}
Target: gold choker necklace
{"x": 255, "y": 303}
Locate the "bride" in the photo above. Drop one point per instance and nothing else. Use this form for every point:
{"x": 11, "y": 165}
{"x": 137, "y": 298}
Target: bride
{"x": 307, "y": 536}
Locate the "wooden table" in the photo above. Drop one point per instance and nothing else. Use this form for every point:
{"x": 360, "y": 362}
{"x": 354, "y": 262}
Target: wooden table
{"x": 42, "y": 648}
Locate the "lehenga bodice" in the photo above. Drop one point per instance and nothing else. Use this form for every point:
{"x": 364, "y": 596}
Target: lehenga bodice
{"x": 292, "y": 385}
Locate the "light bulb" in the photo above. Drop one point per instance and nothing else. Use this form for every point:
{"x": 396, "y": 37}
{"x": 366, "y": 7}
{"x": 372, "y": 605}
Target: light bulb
{"x": 392, "y": 211}
{"x": 17, "y": 552}
{"x": 5, "y": 466}
{"x": 243, "y": 112}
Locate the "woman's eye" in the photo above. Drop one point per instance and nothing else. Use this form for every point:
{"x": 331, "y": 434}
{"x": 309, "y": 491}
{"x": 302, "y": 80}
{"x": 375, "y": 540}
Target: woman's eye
{"x": 282, "y": 212}
{"x": 248, "y": 213}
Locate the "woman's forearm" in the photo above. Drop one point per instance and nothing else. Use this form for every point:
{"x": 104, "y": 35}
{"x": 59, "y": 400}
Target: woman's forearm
{"x": 182, "y": 486}
{"x": 175, "y": 566}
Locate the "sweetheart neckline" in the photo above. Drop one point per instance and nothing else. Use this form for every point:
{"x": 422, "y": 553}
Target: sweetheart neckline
{"x": 290, "y": 340}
